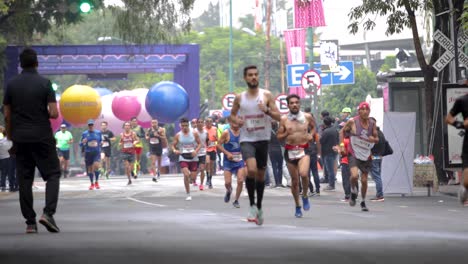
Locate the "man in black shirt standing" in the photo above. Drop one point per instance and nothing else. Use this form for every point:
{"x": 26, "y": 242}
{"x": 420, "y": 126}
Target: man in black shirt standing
{"x": 328, "y": 142}
{"x": 461, "y": 106}
{"x": 29, "y": 102}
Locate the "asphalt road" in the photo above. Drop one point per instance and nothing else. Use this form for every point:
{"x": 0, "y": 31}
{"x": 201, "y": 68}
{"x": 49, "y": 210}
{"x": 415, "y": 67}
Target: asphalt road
{"x": 152, "y": 223}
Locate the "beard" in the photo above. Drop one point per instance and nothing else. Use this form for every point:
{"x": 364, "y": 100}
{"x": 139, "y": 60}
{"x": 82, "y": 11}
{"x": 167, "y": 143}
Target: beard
{"x": 294, "y": 111}
{"x": 252, "y": 85}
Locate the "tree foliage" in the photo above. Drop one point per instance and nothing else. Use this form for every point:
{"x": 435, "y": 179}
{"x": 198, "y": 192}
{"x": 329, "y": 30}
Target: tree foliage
{"x": 209, "y": 18}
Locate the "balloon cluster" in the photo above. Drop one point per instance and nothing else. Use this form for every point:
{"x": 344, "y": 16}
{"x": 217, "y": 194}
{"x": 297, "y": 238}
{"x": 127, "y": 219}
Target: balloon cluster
{"x": 166, "y": 101}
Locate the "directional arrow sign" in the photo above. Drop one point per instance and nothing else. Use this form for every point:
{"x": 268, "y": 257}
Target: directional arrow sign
{"x": 343, "y": 72}
{"x": 344, "y": 76}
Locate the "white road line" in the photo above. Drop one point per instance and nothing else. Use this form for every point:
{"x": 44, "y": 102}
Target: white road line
{"x": 143, "y": 202}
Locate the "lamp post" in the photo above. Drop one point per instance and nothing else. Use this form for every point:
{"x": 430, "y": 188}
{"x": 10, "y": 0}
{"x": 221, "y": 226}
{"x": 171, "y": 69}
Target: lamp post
{"x": 230, "y": 47}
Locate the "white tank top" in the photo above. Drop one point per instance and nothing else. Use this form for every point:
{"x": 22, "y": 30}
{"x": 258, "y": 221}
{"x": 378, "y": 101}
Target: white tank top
{"x": 257, "y": 124}
{"x": 203, "y": 136}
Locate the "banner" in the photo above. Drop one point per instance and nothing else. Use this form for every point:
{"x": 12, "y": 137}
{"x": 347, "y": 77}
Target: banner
{"x": 308, "y": 13}
{"x": 295, "y": 49}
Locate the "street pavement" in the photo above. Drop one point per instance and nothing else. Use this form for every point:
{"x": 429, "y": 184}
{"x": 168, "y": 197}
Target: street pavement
{"x": 152, "y": 223}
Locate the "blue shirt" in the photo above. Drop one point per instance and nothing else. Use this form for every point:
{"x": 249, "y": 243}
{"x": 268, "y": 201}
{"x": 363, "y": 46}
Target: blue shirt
{"x": 94, "y": 141}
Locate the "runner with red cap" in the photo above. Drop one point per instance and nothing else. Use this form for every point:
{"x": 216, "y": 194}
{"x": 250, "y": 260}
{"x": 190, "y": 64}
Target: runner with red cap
{"x": 362, "y": 133}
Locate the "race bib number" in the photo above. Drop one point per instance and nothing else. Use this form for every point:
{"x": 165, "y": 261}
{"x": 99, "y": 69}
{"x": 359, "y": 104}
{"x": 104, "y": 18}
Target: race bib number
{"x": 202, "y": 152}
{"x": 236, "y": 156}
{"x": 128, "y": 145}
{"x": 361, "y": 148}
{"x": 188, "y": 148}
{"x": 295, "y": 154}
{"x": 255, "y": 123}
{"x": 93, "y": 143}
{"x": 154, "y": 140}
{"x": 211, "y": 144}
{"x": 105, "y": 144}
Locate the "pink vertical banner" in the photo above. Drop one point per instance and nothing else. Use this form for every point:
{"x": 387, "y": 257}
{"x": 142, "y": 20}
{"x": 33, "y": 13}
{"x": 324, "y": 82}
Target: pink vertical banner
{"x": 308, "y": 13}
{"x": 295, "y": 49}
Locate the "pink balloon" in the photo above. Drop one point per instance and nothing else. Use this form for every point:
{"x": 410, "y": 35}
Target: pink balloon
{"x": 125, "y": 105}
{"x": 113, "y": 123}
{"x": 55, "y": 123}
{"x": 144, "y": 124}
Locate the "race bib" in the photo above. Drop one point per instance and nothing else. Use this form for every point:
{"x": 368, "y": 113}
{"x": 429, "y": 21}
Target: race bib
{"x": 154, "y": 140}
{"x": 211, "y": 143}
{"x": 255, "y": 123}
{"x": 236, "y": 156}
{"x": 202, "y": 152}
{"x": 361, "y": 148}
{"x": 92, "y": 143}
{"x": 105, "y": 144}
{"x": 188, "y": 148}
{"x": 295, "y": 154}
{"x": 128, "y": 145}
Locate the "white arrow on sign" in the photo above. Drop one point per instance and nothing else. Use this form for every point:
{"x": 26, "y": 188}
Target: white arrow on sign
{"x": 344, "y": 73}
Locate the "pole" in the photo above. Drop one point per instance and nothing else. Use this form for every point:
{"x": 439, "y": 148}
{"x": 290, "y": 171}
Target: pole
{"x": 310, "y": 41}
{"x": 231, "y": 88}
{"x": 453, "y": 37}
{"x": 282, "y": 62}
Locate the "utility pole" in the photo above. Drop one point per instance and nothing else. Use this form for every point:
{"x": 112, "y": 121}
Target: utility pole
{"x": 267, "y": 60}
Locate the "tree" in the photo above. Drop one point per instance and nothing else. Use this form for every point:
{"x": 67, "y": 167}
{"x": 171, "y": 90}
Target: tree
{"x": 209, "y": 18}
{"x": 336, "y": 97}
{"x": 247, "y": 21}
{"x": 464, "y": 17}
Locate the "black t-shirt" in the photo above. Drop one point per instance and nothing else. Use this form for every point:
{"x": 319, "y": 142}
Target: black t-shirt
{"x": 106, "y": 136}
{"x": 329, "y": 139}
{"x": 154, "y": 137}
{"x": 461, "y": 106}
{"x": 28, "y": 95}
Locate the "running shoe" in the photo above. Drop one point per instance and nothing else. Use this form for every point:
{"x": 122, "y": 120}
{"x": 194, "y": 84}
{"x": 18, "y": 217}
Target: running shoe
{"x": 346, "y": 200}
{"x": 155, "y": 179}
{"x": 210, "y": 186}
{"x": 352, "y": 201}
{"x": 306, "y": 203}
{"x": 96, "y": 185}
{"x": 31, "y": 229}
{"x": 377, "y": 199}
{"x": 159, "y": 175}
{"x": 129, "y": 182}
{"x": 252, "y": 216}
{"x": 259, "y": 217}
{"x": 462, "y": 195}
{"x": 298, "y": 213}
{"x": 236, "y": 204}
{"x": 364, "y": 207}
{"x": 227, "y": 196}
{"x": 91, "y": 187}
{"x": 49, "y": 223}
{"x": 195, "y": 184}
{"x": 189, "y": 198}
{"x": 107, "y": 175}
{"x": 200, "y": 187}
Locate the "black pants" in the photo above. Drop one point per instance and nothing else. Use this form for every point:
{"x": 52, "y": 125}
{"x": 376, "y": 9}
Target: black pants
{"x": 42, "y": 155}
{"x": 276, "y": 158}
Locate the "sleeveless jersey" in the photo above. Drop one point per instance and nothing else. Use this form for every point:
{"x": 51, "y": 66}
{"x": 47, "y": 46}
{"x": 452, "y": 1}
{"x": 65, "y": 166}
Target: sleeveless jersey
{"x": 233, "y": 146}
{"x": 127, "y": 143}
{"x": 203, "y": 135}
{"x": 154, "y": 139}
{"x": 187, "y": 145}
{"x": 257, "y": 124}
{"x": 360, "y": 147}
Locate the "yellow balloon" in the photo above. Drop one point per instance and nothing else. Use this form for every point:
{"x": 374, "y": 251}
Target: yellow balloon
{"x": 79, "y": 103}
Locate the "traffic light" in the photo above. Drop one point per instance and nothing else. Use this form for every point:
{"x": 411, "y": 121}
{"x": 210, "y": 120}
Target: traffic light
{"x": 85, "y": 7}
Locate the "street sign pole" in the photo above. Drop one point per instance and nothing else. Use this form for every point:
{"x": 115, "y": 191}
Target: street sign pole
{"x": 310, "y": 41}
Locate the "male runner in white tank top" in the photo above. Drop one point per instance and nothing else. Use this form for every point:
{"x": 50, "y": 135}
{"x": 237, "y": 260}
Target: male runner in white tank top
{"x": 255, "y": 108}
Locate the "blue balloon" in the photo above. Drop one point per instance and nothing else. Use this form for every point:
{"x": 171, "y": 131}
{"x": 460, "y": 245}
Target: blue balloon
{"x": 167, "y": 101}
{"x": 102, "y": 91}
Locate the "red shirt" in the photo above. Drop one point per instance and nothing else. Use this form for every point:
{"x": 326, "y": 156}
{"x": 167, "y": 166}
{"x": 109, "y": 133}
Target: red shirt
{"x": 344, "y": 158}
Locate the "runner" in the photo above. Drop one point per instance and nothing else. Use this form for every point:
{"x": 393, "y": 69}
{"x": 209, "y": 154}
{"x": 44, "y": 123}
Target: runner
{"x": 210, "y": 150}
{"x": 91, "y": 141}
{"x": 128, "y": 140}
{"x": 255, "y": 107}
{"x": 107, "y": 139}
{"x": 187, "y": 144}
{"x": 156, "y": 137}
{"x": 202, "y": 153}
{"x": 362, "y": 134}
{"x": 297, "y": 129}
{"x": 64, "y": 139}
{"x": 461, "y": 106}
{"x": 232, "y": 162}
{"x": 138, "y": 146}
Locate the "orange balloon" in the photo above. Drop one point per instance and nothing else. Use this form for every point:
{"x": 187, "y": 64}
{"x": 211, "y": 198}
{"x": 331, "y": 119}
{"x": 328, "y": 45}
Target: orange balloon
{"x": 79, "y": 103}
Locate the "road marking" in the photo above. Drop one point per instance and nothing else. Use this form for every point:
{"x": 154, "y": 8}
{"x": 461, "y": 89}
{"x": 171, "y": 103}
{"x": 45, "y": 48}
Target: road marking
{"x": 147, "y": 203}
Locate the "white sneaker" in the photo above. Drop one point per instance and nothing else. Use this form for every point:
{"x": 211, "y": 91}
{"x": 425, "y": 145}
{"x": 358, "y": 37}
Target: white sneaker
{"x": 462, "y": 195}
{"x": 189, "y": 198}
{"x": 252, "y": 216}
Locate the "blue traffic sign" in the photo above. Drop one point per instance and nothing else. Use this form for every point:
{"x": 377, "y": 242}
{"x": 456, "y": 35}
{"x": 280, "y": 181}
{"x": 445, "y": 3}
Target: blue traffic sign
{"x": 345, "y": 75}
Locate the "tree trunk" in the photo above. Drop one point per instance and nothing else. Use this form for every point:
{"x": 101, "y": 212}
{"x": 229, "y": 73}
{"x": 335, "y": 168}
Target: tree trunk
{"x": 267, "y": 59}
